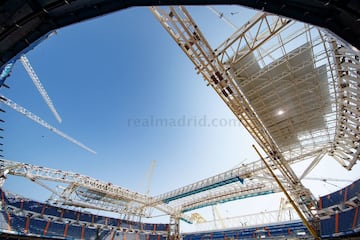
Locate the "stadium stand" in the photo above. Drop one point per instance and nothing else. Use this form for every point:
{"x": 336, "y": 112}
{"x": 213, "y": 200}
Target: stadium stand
{"x": 55, "y": 229}
{"x": 50, "y": 210}
{"x": 293, "y": 229}
{"x": 339, "y": 218}
{"x": 85, "y": 217}
{"x": 22, "y": 218}
{"x": 339, "y": 212}
{"x": 36, "y": 226}
{"x": 340, "y": 196}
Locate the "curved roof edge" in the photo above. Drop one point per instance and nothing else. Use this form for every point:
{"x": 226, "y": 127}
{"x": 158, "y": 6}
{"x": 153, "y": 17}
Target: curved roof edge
{"x": 24, "y": 22}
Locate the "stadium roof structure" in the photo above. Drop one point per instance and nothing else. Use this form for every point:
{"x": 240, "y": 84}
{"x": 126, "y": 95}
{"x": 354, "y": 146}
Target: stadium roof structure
{"x": 73, "y": 189}
{"x": 25, "y": 22}
{"x": 293, "y": 86}
{"x": 77, "y": 190}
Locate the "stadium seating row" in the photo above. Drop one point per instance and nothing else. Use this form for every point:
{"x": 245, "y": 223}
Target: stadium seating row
{"x": 66, "y": 214}
{"x": 25, "y": 217}
{"x": 341, "y": 224}
{"x": 341, "y": 207}
{"x": 340, "y": 196}
{"x": 27, "y": 226}
{"x": 339, "y": 212}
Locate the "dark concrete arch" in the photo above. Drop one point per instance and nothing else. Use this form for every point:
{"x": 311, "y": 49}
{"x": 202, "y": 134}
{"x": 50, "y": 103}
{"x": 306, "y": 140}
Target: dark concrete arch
{"x": 24, "y": 22}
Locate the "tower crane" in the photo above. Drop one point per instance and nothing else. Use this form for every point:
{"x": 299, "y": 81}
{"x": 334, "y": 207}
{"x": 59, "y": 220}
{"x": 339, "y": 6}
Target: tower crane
{"x": 26, "y": 63}
{"x": 217, "y": 216}
{"x": 151, "y": 173}
{"x": 197, "y": 218}
{"x": 38, "y": 120}
{"x": 149, "y": 176}
{"x": 221, "y": 16}
{"x": 284, "y": 210}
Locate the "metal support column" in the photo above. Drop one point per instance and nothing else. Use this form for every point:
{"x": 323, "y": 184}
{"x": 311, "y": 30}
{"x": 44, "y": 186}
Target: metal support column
{"x": 174, "y": 229}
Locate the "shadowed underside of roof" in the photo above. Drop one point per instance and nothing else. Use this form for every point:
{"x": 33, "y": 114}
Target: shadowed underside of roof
{"x": 23, "y": 22}
{"x": 297, "y": 100}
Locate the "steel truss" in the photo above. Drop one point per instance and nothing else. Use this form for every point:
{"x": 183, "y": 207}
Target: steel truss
{"x": 257, "y": 181}
{"x": 345, "y": 148}
{"x": 222, "y": 68}
{"x": 87, "y": 192}
{"x": 38, "y": 120}
{"x": 251, "y": 220}
{"x": 26, "y": 63}
{"x": 178, "y": 22}
{"x": 226, "y": 69}
{"x": 83, "y": 191}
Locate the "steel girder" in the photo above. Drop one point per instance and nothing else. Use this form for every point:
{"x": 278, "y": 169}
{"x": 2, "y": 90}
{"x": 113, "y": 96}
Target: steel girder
{"x": 92, "y": 191}
{"x": 182, "y": 28}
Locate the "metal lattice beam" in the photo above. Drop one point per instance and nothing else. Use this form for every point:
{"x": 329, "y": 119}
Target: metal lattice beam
{"x": 90, "y": 192}
{"x": 346, "y": 147}
{"x": 38, "y": 120}
{"x": 29, "y": 69}
{"x": 180, "y": 25}
{"x": 250, "y": 220}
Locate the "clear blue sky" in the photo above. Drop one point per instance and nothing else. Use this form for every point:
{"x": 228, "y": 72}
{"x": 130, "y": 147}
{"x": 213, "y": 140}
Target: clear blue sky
{"x": 104, "y": 74}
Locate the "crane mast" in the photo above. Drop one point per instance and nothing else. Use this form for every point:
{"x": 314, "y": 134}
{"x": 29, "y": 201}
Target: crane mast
{"x": 151, "y": 173}
{"x": 217, "y": 216}
{"x": 210, "y": 63}
{"x": 26, "y": 63}
{"x": 38, "y": 120}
